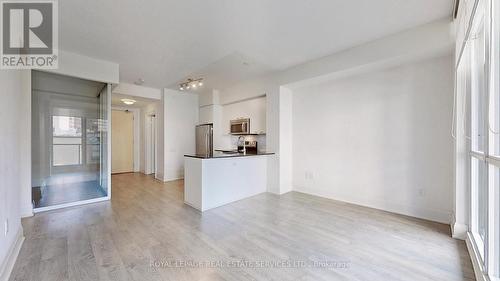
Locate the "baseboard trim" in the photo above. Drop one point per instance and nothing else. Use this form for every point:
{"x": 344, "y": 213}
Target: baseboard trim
{"x": 119, "y": 173}
{"x": 421, "y": 213}
{"x": 27, "y": 214}
{"x": 459, "y": 230}
{"x": 475, "y": 258}
{"x": 10, "y": 260}
{"x": 173, "y": 179}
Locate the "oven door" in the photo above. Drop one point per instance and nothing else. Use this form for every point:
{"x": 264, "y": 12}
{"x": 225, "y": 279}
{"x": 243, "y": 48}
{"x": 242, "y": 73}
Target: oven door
{"x": 240, "y": 127}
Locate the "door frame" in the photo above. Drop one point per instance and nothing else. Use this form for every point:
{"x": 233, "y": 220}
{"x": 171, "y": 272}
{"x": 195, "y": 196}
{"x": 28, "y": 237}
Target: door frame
{"x": 137, "y": 133}
{"x": 151, "y": 143}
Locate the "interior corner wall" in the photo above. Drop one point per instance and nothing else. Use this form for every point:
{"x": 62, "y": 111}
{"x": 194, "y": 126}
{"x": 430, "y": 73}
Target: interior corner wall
{"x": 460, "y": 220}
{"x": 179, "y": 117}
{"x": 24, "y": 123}
{"x": 380, "y": 139}
{"x": 144, "y": 128}
{"x": 286, "y": 140}
{"x": 11, "y": 166}
{"x": 160, "y": 139}
{"x": 273, "y": 139}
{"x": 210, "y": 111}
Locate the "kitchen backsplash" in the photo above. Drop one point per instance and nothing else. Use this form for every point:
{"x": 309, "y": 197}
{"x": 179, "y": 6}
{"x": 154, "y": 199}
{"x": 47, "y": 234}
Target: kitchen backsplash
{"x": 260, "y": 139}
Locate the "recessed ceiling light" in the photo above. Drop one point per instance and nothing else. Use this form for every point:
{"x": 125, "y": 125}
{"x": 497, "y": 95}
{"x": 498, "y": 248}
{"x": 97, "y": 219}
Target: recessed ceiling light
{"x": 128, "y": 101}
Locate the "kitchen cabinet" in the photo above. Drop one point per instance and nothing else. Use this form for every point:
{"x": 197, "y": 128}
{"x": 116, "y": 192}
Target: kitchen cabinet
{"x": 210, "y": 182}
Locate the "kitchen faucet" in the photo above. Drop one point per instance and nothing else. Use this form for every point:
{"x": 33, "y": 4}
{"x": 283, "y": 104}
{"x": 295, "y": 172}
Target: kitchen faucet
{"x": 244, "y": 144}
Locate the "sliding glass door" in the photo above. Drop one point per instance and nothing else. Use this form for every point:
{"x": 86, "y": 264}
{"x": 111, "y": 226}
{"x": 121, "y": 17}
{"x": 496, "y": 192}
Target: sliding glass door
{"x": 70, "y": 141}
{"x": 104, "y": 124}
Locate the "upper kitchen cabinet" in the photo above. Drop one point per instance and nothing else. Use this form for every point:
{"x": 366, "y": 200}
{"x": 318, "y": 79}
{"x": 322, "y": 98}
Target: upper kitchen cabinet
{"x": 254, "y": 109}
{"x": 210, "y": 108}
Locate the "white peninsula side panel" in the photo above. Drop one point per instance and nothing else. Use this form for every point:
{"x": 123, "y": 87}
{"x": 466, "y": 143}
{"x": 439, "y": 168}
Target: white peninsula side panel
{"x": 210, "y": 183}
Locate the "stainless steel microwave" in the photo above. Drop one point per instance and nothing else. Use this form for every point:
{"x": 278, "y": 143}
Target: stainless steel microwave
{"x": 240, "y": 126}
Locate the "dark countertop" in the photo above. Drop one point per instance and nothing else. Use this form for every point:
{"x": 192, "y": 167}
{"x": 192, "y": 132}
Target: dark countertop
{"x": 220, "y": 154}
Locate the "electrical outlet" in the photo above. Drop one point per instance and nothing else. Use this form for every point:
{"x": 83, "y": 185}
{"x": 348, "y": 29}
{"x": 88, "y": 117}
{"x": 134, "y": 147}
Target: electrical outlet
{"x": 309, "y": 175}
{"x": 6, "y": 227}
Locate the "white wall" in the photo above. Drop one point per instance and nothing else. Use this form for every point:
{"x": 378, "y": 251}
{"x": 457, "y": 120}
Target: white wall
{"x": 286, "y": 134}
{"x": 79, "y": 66}
{"x": 25, "y": 155}
{"x": 179, "y": 117}
{"x": 461, "y": 207}
{"x": 11, "y": 147}
{"x": 146, "y": 111}
{"x": 379, "y": 139}
{"x": 137, "y": 91}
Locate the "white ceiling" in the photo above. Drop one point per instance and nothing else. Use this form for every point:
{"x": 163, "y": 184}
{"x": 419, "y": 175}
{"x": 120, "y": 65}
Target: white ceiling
{"x": 164, "y": 41}
{"x": 116, "y": 100}
{"x": 227, "y": 71}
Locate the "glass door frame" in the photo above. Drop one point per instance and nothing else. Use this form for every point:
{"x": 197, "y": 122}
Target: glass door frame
{"x": 105, "y": 111}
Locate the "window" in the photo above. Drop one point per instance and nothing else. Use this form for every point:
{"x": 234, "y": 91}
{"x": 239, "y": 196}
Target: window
{"x": 493, "y": 159}
{"x": 93, "y": 142}
{"x": 478, "y": 89}
{"x": 494, "y": 220}
{"x": 479, "y": 205}
{"x": 478, "y": 136}
{"x": 66, "y": 141}
{"x": 483, "y": 128}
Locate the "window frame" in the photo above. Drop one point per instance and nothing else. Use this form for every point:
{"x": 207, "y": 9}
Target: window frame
{"x": 486, "y": 14}
{"x": 479, "y": 23}
{"x": 493, "y": 11}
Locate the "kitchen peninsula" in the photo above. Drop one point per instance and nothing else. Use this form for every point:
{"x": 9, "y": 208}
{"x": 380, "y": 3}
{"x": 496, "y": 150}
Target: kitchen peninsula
{"x": 220, "y": 178}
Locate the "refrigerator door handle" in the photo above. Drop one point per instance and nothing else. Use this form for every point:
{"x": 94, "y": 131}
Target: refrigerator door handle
{"x": 207, "y": 144}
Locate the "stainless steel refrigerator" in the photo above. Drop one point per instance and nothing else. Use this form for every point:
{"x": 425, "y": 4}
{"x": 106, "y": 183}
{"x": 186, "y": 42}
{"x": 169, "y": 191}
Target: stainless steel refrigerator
{"x": 205, "y": 139}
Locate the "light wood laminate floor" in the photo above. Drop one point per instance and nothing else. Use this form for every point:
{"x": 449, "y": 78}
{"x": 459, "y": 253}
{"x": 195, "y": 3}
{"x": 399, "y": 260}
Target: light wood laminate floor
{"x": 147, "y": 233}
